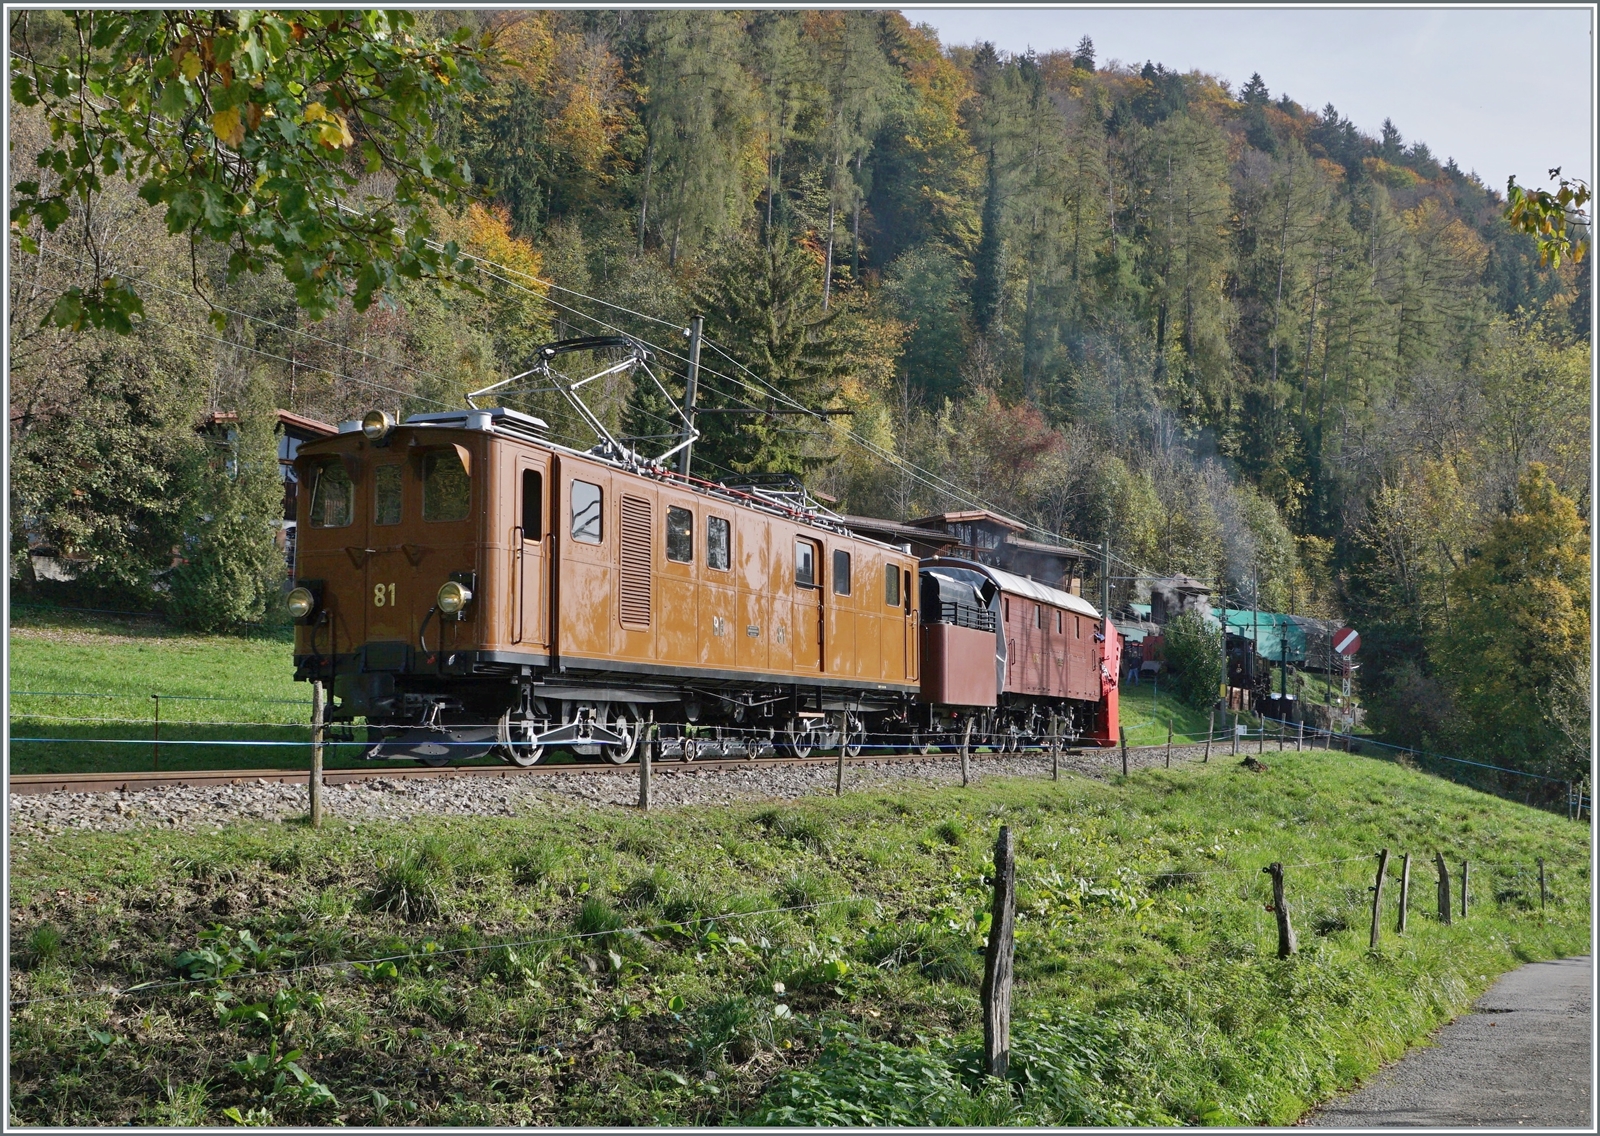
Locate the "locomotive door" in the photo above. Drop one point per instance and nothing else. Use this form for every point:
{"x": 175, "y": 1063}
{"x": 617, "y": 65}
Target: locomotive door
{"x": 530, "y": 540}
{"x": 391, "y": 590}
{"x": 807, "y": 605}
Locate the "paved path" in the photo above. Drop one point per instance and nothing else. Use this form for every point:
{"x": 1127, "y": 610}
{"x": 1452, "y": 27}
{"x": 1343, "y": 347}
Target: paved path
{"x": 1520, "y": 1057}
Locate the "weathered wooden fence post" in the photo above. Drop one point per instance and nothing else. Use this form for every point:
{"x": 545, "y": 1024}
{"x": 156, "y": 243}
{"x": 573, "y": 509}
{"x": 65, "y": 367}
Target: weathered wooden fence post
{"x": 155, "y": 738}
{"x": 1444, "y": 888}
{"x": 966, "y": 745}
{"x": 1169, "y": 745}
{"x": 315, "y": 785}
{"x": 1300, "y": 737}
{"x": 1377, "y": 896}
{"x": 1405, "y": 893}
{"x": 1235, "y": 735}
{"x": 1286, "y": 940}
{"x": 1211, "y": 725}
{"x": 1122, "y": 735}
{"x": 1542, "y": 892}
{"x": 646, "y": 756}
{"x": 1055, "y": 748}
{"x": 998, "y": 959}
{"x": 1261, "y": 738}
{"x": 1464, "y": 870}
{"x": 844, "y": 736}
{"x": 1283, "y": 727}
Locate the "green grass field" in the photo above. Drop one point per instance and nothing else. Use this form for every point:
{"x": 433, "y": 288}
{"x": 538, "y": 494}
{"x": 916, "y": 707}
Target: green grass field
{"x": 805, "y": 963}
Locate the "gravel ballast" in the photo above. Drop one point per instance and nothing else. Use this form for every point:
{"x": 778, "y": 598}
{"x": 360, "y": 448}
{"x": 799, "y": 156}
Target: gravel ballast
{"x": 675, "y": 784}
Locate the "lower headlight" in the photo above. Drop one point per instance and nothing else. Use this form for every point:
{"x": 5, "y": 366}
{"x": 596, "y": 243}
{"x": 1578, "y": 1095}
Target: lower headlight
{"x": 301, "y": 603}
{"x": 453, "y": 597}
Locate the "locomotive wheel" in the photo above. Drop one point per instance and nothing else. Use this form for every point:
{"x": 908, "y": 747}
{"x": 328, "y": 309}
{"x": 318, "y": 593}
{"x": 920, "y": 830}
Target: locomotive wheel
{"x": 523, "y": 756}
{"x": 798, "y": 739}
{"x": 628, "y": 727}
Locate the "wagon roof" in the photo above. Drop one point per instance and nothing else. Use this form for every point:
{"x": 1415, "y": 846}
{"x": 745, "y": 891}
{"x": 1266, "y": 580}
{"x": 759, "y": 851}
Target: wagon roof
{"x": 1019, "y": 585}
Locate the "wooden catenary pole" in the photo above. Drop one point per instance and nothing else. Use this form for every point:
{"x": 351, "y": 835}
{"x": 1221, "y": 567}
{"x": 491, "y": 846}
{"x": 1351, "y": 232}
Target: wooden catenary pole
{"x": 1286, "y": 939}
{"x": 1405, "y": 892}
{"x": 1444, "y": 888}
{"x": 315, "y": 786}
{"x": 1377, "y": 896}
{"x": 997, "y": 968}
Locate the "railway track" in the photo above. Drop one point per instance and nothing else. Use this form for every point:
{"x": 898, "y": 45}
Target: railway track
{"x": 33, "y": 783}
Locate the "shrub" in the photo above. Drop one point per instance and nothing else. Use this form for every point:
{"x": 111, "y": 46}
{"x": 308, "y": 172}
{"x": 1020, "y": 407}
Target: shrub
{"x": 1194, "y": 651}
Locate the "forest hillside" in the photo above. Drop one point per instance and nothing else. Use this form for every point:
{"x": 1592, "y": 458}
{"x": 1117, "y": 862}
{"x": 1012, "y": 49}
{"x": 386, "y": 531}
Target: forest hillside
{"x": 1232, "y": 335}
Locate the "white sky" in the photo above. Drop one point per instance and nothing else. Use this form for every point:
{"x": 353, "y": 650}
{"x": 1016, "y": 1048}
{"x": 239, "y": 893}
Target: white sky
{"x": 1503, "y": 91}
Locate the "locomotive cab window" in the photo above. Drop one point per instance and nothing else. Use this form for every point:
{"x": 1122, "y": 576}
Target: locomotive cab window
{"x": 891, "y": 585}
{"x": 680, "y": 535}
{"x": 586, "y": 512}
{"x": 332, "y": 496}
{"x": 841, "y": 572}
{"x": 719, "y": 542}
{"x": 446, "y": 488}
{"x": 805, "y": 564}
{"x": 386, "y": 495}
{"x": 532, "y": 505}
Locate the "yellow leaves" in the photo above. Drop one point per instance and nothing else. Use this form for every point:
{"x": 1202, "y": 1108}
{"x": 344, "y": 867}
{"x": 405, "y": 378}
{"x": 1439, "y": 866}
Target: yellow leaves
{"x": 190, "y": 66}
{"x": 488, "y": 235}
{"x": 332, "y": 131}
{"x": 228, "y": 128}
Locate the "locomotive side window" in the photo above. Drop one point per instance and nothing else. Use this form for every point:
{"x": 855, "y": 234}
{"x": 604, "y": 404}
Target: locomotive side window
{"x": 719, "y": 542}
{"x": 386, "y": 495}
{"x": 532, "y": 505}
{"x": 446, "y": 488}
{"x": 908, "y": 593}
{"x": 586, "y": 512}
{"x": 891, "y": 585}
{"x": 332, "y": 497}
{"x": 680, "y": 535}
{"x": 841, "y": 572}
{"x": 805, "y": 564}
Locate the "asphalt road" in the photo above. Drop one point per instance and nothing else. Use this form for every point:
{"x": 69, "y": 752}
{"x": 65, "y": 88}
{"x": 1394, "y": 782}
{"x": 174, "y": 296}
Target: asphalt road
{"x": 1519, "y": 1058}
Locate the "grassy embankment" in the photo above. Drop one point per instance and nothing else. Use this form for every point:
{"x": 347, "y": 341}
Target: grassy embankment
{"x": 1147, "y": 985}
{"x": 212, "y": 687}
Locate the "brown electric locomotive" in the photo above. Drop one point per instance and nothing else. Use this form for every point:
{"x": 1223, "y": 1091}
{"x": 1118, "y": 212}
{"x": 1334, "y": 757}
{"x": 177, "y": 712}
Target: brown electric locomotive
{"x": 466, "y": 585}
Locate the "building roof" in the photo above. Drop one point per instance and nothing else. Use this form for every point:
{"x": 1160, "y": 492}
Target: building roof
{"x": 877, "y": 526}
{"x": 289, "y": 419}
{"x": 971, "y": 516}
{"x": 1044, "y": 549}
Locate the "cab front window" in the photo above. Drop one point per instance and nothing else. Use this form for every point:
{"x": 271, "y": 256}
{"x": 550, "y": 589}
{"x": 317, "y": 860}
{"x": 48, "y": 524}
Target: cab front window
{"x": 446, "y": 488}
{"x": 332, "y": 496}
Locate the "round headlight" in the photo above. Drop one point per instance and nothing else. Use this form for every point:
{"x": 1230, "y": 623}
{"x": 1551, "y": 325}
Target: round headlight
{"x": 301, "y": 603}
{"x": 453, "y": 597}
{"x": 377, "y": 424}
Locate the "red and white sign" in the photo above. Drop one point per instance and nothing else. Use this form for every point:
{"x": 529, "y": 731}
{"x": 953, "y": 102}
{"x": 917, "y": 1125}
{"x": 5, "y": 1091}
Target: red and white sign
{"x": 1346, "y": 641}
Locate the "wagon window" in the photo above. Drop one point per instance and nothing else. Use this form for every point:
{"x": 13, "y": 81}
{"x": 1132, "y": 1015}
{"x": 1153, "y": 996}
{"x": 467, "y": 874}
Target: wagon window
{"x": 1058, "y": 623}
{"x": 1008, "y": 610}
{"x": 719, "y": 539}
{"x": 332, "y": 496}
{"x": 386, "y": 495}
{"x": 1038, "y": 617}
{"x": 841, "y": 572}
{"x": 805, "y": 564}
{"x": 1077, "y": 627}
{"x": 532, "y": 505}
{"x": 891, "y": 585}
{"x": 680, "y": 535}
{"x": 446, "y": 488}
{"x": 586, "y": 512}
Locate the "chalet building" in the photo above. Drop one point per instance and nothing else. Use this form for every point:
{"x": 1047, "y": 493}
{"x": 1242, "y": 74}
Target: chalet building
{"x": 985, "y": 537}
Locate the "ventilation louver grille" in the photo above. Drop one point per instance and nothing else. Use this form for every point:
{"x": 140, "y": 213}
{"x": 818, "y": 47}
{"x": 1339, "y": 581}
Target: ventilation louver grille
{"x": 636, "y": 550}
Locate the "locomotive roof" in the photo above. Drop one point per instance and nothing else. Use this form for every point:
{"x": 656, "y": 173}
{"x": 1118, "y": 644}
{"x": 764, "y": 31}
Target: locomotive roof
{"x": 1019, "y": 585}
{"x": 525, "y": 427}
